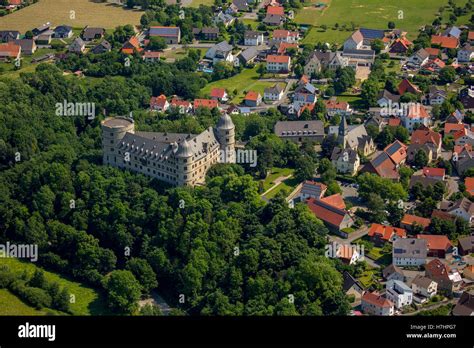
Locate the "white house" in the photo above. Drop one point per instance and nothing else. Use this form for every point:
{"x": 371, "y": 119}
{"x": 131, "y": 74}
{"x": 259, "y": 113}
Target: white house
{"x": 409, "y": 252}
{"x": 220, "y": 52}
{"x": 415, "y": 116}
{"x": 278, "y": 64}
{"x": 424, "y": 286}
{"x": 419, "y": 58}
{"x": 399, "y": 293}
{"x": 253, "y": 38}
{"x": 374, "y": 304}
{"x": 466, "y": 53}
{"x": 354, "y": 42}
{"x": 273, "y": 93}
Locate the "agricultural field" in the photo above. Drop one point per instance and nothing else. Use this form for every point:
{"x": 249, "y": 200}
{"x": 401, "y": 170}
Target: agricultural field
{"x": 247, "y": 80}
{"x": 196, "y": 3}
{"x": 369, "y": 13}
{"x": 88, "y": 300}
{"x": 12, "y": 305}
{"x": 59, "y": 12}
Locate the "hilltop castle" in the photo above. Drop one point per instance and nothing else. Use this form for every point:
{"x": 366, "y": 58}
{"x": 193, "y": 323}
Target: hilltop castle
{"x": 178, "y": 159}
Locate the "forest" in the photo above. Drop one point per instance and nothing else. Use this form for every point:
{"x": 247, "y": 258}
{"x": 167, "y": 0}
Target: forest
{"x": 211, "y": 250}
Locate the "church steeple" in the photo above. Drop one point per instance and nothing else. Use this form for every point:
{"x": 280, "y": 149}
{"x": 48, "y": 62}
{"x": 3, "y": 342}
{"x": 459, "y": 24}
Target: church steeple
{"x": 343, "y": 130}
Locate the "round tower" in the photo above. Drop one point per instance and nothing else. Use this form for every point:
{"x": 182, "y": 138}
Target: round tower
{"x": 184, "y": 156}
{"x": 113, "y": 130}
{"x": 225, "y": 133}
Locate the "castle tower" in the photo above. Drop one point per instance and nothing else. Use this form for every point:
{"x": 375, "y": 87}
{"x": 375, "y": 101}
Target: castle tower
{"x": 113, "y": 130}
{"x": 225, "y": 134}
{"x": 184, "y": 156}
{"x": 342, "y": 134}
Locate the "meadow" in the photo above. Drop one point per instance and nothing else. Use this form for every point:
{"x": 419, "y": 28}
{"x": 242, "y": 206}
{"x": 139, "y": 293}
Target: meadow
{"x": 58, "y": 12}
{"x": 406, "y": 14}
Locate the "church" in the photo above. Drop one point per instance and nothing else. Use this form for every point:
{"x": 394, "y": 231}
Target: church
{"x": 354, "y": 137}
{"x": 176, "y": 158}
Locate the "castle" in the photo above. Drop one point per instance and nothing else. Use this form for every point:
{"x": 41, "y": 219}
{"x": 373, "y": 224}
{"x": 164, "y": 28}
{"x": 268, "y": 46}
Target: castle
{"x": 178, "y": 159}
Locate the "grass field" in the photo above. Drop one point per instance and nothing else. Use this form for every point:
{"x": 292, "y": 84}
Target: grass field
{"x": 196, "y": 3}
{"x": 247, "y": 80}
{"x": 12, "y": 305}
{"x": 88, "y": 300}
{"x": 58, "y": 12}
{"x": 368, "y": 13}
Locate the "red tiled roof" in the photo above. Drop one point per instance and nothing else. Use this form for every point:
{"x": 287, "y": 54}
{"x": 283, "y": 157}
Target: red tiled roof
{"x": 437, "y": 268}
{"x": 469, "y": 182}
{"x": 434, "y": 172}
{"x": 158, "y": 101}
{"x": 442, "y": 215}
{"x": 436, "y": 242}
{"x": 276, "y": 10}
{"x": 376, "y": 300}
{"x": 175, "y": 102}
{"x": 386, "y": 232}
{"x": 407, "y": 86}
{"x": 218, "y": 92}
{"x": 459, "y": 148}
{"x": 394, "y": 121}
{"x": 453, "y": 127}
{"x": 252, "y": 95}
{"x": 409, "y": 219}
{"x": 335, "y": 200}
{"x": 278, "y": 59}
{"x": 433, "y": 52}
{"x": 326, "y": 212}
{"x": 205, "y": 103}
{"x": 423, "y": 136}
{"x": 399, "y": 155}
{"x": 151, "y": 54}
{"x": 417, "y": 111}
{"x": 9, "y": 49}
{"x": 470, "y": 36}
{"x": 284, "y": 46}
{"x": 281, "y": 33}
{"x": 15, "y": 2}
{"x": 444, "y": 41}
{"x": 334, "y": 104}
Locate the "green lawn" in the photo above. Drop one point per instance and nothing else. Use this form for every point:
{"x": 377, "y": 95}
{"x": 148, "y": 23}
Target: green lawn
{"x": 368, "y": 13}
{"x": 247, "y": 80}
{"x": 196, "y": 3}
{"x": 275, "y": 173}
{"x": 88, "y": 300}
{"x": 287, "y": 185}
{"x": 26, "y": 64}
{"x": 12, "y": 305}
{"x": 252, "y": 22}
{"x": 367, "y": 278}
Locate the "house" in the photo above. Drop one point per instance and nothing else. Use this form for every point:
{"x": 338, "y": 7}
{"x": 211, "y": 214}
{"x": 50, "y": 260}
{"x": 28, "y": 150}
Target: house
{"x": 249, "y": 55}
{"x": 41, "y": 29}
{"x": 278, "y": 64}
{"x": 334, "y": 217}
{"x": 273, "y": 19}
{"x": 359, "y": 58}
{"x": 444, "y": 41}
{"x": 407, "y": 87}
{"x": 225, "y": 19}
{"x": 77, "y": 46}
{"x": 397, "y": 152}
{"x": 466, "y": 53}
{"x": 206, "y": 33}
{"x": 386, "y": 98}
{"x": 425, "y": 140}
{"x": 438, "y": 245}
{"x": 464, "y": 136}
{"x": 276, "y": 10}
{"x": 333, "y": 107}
{"x": 102, "y": 47}
{"x": 469, "y": 183}
{"x": 221, "y": 52}
{"x": 252, "y": 99}
{"x": 354, "y": 42}
{"x": 448, "y": 279}
{"x": 347, "y": 254}
{"x": 381, "y": 234}
{"x": 312, "y": 189}
{"x": 274, "y": 93}
{"x": 280, "y": 35}
{"x": 433, "y": 52}
{"x": 159, "y": 103}
{"x": 436, "y": 96}
{"x": 424, "y": 181}
{"x": 351, "y": 286}
{"x": 462, "y": 208}
{"x": 219, "y": 94}
{"x": 151, "y": 56}
{"x": 253, "y": 38}
{"x": 468, "y": 272}
{"x": 297, "y": 131}
{"x": 463, "y": 158}
{"x": 63, "y": 32}
{"x": 9, "y": 35}
{"x": 434, "y": 65}
{"x": 392, "y": 272}
{"x": 383, "y": 166}
{"x": 302, "y": 99}
{"x": 370, "y": 35}
{"x": 131, "y": 46}
{"x": 338, "y": 61}
{"x": 408, "y": 221}
{"x": 241, "y": 5}
{"x": 89, "y": 33}
{"x": 419, "y": 58}
{"x": 456, "y": 117}
{"x": 465, "y": 305}
{"x": 409, "y": 252}
{"x": 375, "y": 304}
{"x": 466, "y": 96}
{"x": 28, "y": 46}
{"x": 399, "y": 293}
{"x": 183, "y": 106}
{"x": 346, "y": 161}
{"x": 171, "y": 35}
{"x": 452, "y": 32}
{"x": 44, "y": 38}
{"x": 9, "y": 51}
{"x": 424, "y": 286}
{"x": 318, "y": 60}
{"x": 354, "y": 137}
{"x": 435, "y": 173}
{"x": 400, "y": 46}
{"x": 205, "y": 103}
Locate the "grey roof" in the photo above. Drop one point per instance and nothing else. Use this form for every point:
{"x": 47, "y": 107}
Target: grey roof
{"x": 349, "y": 282}
{"x": 164, "y": 31}
{"x": 184, "y": 150}
{"x": 453, "y": 31}
{"x": 410, "y": 248}
{"x": 273, "y": 19}
{"x": 7, "y": 35}
{"x": 368, "y": 53}
{"x": 372, "y": 33}
{"x": 462, "y": 203}
{"x": 422, "y": 281}
{"x": 102, "y": 47}
{"x": 388, "y": 95}
{"x": 225, "y": 122}
{"x": 423, "y": 180}
{"x": 76, "y": 45}
{"x": 338, "y": 152}
{"x": 223, "y": 46}
{"x": 422, "y": 53}
{"x": 465, "y": 305}
{"x": 26, "y": 44}
{"x": 312, "y": 189}
{"x": 467, "y": 243}
{"x": 389, "y": 270}
{"x": 275, "y": 89}
{"x": 242, "y": 5}
{"x": 90, "y": 33}
{"x": 287, "y": 128}
{"x": 62, "y": 29}
{"x": 249, "y": 53}
{"x": 398, "y": 286}
{"x": 252, "y": 34}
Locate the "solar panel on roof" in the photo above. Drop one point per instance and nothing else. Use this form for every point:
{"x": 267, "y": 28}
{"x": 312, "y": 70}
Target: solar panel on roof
{"x": 393, "y": 148}
{"x": 380, "y": 159}
{"x": 372, "y": 33}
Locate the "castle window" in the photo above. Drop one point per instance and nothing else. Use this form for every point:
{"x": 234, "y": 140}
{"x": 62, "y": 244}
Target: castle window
{"x": 227, "y": 132}
{"x": 185, "y": 168}
{"x": 111, "y": 134}
{"x": 111, "y": 141}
